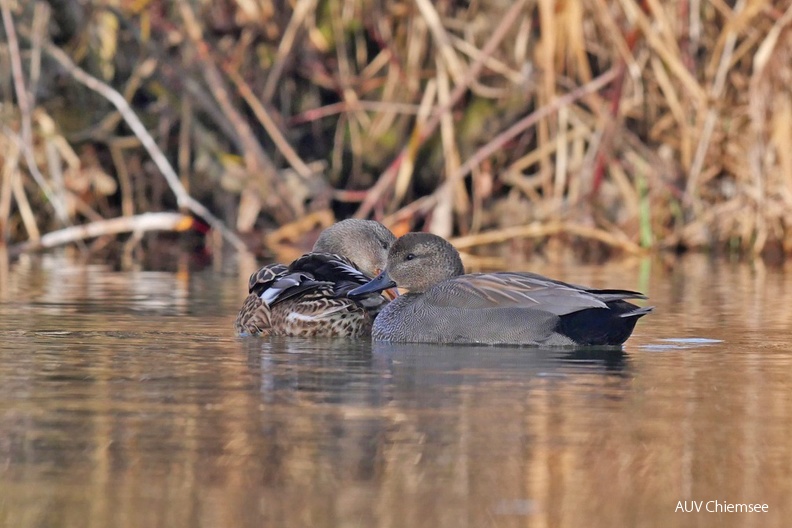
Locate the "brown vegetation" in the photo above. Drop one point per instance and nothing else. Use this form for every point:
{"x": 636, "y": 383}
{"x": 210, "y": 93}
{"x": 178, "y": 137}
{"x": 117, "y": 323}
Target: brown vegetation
{"x": 619, "y": 123}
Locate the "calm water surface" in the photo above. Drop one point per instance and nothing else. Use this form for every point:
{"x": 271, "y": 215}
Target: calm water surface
{"x": 126, "y": 401}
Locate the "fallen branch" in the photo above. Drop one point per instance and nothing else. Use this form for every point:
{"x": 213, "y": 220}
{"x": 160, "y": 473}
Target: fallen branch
{"x": 538, "y": 230}
{"x": 124, "y": 224}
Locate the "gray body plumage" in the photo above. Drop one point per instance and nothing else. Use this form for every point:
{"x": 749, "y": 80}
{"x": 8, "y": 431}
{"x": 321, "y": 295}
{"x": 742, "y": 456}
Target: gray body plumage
{"x": 416, "y": 322}
{"x": 494, "y": 308}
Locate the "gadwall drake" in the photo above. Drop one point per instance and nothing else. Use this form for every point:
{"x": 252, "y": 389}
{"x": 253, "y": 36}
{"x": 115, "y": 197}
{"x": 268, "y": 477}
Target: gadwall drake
{"x": 444, "y": 305}
{"x": 309, "y": 297}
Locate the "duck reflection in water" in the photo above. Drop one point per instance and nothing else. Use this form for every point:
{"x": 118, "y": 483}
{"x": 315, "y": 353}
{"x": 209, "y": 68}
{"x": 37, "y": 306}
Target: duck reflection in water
{"x": 337, "y": 371}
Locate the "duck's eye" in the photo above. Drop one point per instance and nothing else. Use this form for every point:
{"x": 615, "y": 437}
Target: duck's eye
{"x": 384, "y": 245}
{"x": 410, "y": 256}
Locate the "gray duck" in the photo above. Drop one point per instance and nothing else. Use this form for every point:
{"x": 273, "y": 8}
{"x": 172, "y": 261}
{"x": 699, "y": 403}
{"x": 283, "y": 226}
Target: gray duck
{"x": 445, "y": 305}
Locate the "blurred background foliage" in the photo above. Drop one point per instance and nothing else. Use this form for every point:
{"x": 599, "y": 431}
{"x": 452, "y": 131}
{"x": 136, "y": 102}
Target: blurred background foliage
{"x": 605, "y": 125}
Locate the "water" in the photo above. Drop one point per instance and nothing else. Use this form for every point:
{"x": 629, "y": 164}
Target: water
{"x": 126, "y": 401}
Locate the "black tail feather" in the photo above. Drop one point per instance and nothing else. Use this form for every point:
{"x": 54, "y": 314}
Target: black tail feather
{"x": 602, "y": 326}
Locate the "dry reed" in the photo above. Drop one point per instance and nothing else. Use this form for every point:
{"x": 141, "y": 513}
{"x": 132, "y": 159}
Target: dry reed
{"x": 623, "y": 124}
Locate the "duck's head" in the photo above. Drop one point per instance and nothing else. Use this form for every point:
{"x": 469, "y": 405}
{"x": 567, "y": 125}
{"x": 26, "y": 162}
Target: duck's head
{"x": 416, "y": 262}
{"x": 364, "y": 242}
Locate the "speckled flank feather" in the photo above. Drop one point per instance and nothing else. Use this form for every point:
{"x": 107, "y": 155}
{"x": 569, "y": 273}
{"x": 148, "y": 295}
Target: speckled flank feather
{"x": 253, "y": 318}
{"x": 321, "y": 315}
{"x": 309, "y": 297}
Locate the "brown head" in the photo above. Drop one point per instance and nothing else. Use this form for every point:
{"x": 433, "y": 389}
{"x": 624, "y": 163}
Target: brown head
{"x": 364, "y": 242}
{"x": 416, "y": 262}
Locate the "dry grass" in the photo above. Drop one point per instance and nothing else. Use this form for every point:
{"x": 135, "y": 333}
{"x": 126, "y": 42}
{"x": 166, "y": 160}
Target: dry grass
{"x": 617, "y": 124}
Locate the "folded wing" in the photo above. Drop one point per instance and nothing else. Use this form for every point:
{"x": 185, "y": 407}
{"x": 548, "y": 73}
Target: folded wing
{"x": 521, "y": 290}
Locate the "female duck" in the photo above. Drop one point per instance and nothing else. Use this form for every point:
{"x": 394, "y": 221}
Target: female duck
{"x": 446, "y": 306}
{"x": 309, "y": 297}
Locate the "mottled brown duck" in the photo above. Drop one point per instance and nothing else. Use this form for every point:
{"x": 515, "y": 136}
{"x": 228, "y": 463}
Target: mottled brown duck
{"x": 308, "y": 298}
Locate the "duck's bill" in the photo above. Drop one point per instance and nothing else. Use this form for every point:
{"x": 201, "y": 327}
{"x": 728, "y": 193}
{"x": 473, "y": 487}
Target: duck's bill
{"x": 377, "y": 284}
{"x": 390, "y": 293}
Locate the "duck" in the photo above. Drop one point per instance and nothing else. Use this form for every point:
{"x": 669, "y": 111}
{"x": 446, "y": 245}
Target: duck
{"x": 308, "y": 298}
{"x": 446, "y": 306}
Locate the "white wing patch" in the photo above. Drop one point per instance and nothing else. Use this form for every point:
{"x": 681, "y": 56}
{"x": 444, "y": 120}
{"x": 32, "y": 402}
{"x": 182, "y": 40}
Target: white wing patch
{"x": 269, "y": 295}
{"x": 280, "y": 286}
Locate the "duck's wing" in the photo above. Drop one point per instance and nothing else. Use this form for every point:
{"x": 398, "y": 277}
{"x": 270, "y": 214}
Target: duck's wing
{"x": 265, "y": 276}
{"x": 343, "y": 275}
{"x": 520, "y": 290}
{"x": 328, "y": 267}
{"x": 314, "y": 275}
